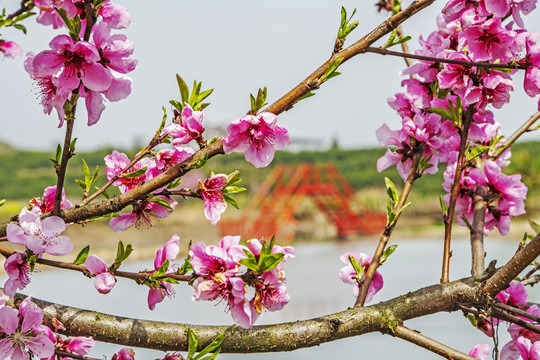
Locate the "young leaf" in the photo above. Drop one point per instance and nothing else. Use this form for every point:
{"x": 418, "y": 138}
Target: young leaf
{"x": 250, "y": 264}
{"x": 192, "y": 344}
{"x": 534, "y": 225}
{"x": 213, "y": 345}
{"x": 357, "y": 267}
{"x": 391, "y": 190}
{"x": 162, "y": 202}
{"x": 135, "y": 174}
{"x": 444, "y": 207}
{"x": 477, "y": 151}
{"x": 270, "y": 261}
{"x": 184, "y": 90}
{"x": 2, "y": 202}
{"x": 387, "y": 253}
{"x": 81, "y": 257}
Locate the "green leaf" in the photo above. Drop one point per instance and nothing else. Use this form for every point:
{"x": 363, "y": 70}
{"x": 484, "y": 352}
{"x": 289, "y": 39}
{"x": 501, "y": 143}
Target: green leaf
{"x": 177, "y": 105}
{"x": 232, "y": 189}
{"x": 270, "y": 261}
{"x": 444, "y": 207}
{"x": 58, "y": 155}
{"x": 250, "y": 264}
{"x": 81, "y": 183}
{"x": 86, "y": 172}
{"x": 20, "y": 27}
{"x": 230, "y": 200}
{"x": 403, "y": 208}
{"x": 213, "y": 356}
{"x": 2, "y": 202}
{"x": 331, "y": 69}
{"x": 184, "y": 90}
{"x": 388, "y": 252}
{"x": 357, "y": 267}
{"x": 466, "y": 221}
{"x": 308, "y": 95}
{"x": 472, "y": 319}
{"x": 442, "y": 113}
{"x": 72, "y": 144}
{"x": 161, "y": 270}
{"x": 233, "y": 178}
{"x": 135, "y": 174}
{"x": 162, "y": 202}
{"x": 213, "y": 345}
{"x": 534, "y": 225}
{"x": 192, "y": 344}
{"x": 119, "y": 252}
{"x": 174, "y": 184}
{"x": 81, "y": 257}
{"x": 391, "y": 190}
{"x": 477, "y": 151}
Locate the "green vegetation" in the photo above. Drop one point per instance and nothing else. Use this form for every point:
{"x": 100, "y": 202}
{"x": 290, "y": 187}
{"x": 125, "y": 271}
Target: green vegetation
{"x": 26, "y": 173}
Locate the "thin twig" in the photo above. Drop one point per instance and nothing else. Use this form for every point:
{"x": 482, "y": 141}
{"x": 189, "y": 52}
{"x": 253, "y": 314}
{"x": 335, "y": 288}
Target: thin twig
{"x": 381, "y": 51}
{"x": 25, "y": 6}
{"x": 449, "y": 216}
{"x": 477, "y": 232}
{"x": 64, "y": 354}
{"x": 138, "y": 277}
{"x": 375, "y": 262}
{"x": 517, "y": 311}
{"x": 438, "y": 348}
{"x": 186, "y": 192}
{"x": 526, "y": 127}
{"x": 531, "y": 280}
{"x": 515, "y": 320}
{"x": 67, "y": 153}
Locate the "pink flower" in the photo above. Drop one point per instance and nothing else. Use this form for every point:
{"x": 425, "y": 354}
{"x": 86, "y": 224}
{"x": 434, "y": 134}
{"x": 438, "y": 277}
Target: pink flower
{"x": 211, "y": 192}
{"x": 167, "y": 158}
{"x": 532, "y": 74}
{"x": 21, "y": 332}
{"x": 48, "y": 14}
{"x": 124, "y": 354}
{"x": 189, "y": 128}
{"x": 347, "y": 274}
{"x": 78, "y": 62}
{"x": 114, "y": 50}
{"x": 52, "y": 95}
{"x": 488, "y": 41}
{"x": 45, "y": 204}
{"x": 143, "y": 212}
{"x": 480, "y": 351}
{"x": 10, "y": 49}
{"x": 40, "y": 236}
{"x": 495, "y": 90}
{"x": 104, "y": 280}
{"x": 169, "y": 253}
{"x": 18, "y": 272}
{"x": 223, "y": 258}
{"x": 114, "y": 15}
{"x": 80, "y": 345}
{"x": 116, "y": 162}
{"x": 515, "y": 295}
{"x": 257, "y": 137}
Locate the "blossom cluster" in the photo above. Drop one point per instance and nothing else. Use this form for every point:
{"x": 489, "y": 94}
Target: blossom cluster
{"x": 220, "y": 276}
{"x": 93, "y": 68}
{"x": 256, "y": 136}
{"x": 37, "y": 236}
{"x": 440, "y": 95}
{"x": 524, "y": 343}
{"x": 349, "y": 275}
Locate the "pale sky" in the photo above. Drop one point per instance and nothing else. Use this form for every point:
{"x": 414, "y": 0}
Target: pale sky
{"x": 235, "y": 47}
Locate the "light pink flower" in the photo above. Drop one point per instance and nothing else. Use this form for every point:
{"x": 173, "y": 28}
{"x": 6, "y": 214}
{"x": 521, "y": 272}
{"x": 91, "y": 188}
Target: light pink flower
{"x": 48, "y": 14}
{"x": 167, "y": 158}
{"x": 211, "y": 192}
{"x": 257, "y": 137}
{"x": 189, "y": 128}
{"x": 18, "y": 272}
{"x": 480, "y": 351}
{"x": 169, "y": 253}
{"x": 104, "y": 280}
{"x": 40, "y": 236}
{"x": 22, "y": 335}
{"x": 114, "y": 50}
{"x": 347, "y": 274}
{"x": 116, "y": 162}
{"x": 10, "y": 49}
{"x": 114, "y": 15}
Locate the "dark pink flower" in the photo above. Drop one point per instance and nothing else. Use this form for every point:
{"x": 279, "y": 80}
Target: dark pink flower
{"x": 116, "y": 162}
{"x": 494, "y": 89}
{"x": 45, "y": 204}
{"x": 347, "y": 274}
{"x": 169, "y": 253}
{"x": 189, "y": 128}
{"x": 167, "y": 158}
{"x": 488, "y": 41}
{"x": 114, "y": 50}
{"x": 10, "y": 49}
{"x": 211, "y": 192}
{"x": 124, "y": 354}
{"x": 77, "y": 62}
{"x": 104, "y": 280}
{"x": 52, "y": 95}
{"x": 143, "y": 212}
{"x": 18, "y": 272}
{"x": 21, "y": 332}
{"x": 257, "y": 137}
{"x": 515, "y": 295}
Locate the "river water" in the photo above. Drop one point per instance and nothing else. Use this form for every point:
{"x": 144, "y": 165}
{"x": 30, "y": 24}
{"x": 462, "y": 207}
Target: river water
{"x": 315, "y": 290}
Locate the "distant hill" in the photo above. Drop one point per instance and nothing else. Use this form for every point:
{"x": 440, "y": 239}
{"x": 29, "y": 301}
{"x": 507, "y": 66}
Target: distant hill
{"x": 26, "y": 173}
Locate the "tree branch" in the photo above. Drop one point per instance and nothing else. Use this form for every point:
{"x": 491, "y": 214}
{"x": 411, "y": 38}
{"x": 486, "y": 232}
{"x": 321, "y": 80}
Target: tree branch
{"x": 522, "y": 130}
{"x": 449, "y": 216}
{"x": 416, "y": 338}
{"x": 477, "y": 232}
{"x": 67, "y": 153}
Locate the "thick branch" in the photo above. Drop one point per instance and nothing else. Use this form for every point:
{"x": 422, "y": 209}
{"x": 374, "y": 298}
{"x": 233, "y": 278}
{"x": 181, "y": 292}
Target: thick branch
{"x": 268, "y": 338}
{"x": 416, "y": 338}
{"x": 477, "y": 232}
